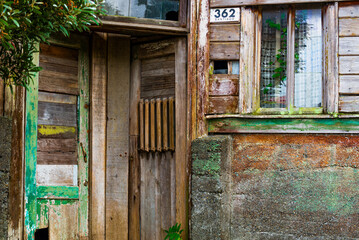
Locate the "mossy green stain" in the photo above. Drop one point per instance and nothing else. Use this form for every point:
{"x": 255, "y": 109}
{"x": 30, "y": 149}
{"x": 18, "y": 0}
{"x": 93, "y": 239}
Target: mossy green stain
{"x": 208, "y": 161}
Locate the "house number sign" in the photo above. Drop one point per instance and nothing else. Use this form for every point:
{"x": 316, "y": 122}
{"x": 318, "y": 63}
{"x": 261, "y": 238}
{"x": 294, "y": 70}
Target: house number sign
{"x": 224, "y": 14}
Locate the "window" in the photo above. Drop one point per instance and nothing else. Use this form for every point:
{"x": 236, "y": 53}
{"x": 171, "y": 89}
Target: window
{"x": 155, "y": 9}
{"x": 291, "y": 60}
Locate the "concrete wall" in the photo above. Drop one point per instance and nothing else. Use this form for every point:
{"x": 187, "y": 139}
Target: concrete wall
{"x": 278, "y": 186}
{"x": 5, "y": 155}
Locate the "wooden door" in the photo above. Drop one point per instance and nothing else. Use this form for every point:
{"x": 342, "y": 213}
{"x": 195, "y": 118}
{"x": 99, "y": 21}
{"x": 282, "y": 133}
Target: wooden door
{"x": 158, "y": 179}
{"x": 56, "y": 145}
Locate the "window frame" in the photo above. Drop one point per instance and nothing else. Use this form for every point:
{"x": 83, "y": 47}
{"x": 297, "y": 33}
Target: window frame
{"x": 250, "y": 63}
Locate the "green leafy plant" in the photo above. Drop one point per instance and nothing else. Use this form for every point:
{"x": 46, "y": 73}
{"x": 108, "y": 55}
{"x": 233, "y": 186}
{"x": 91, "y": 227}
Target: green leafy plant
{"x": 174, "y": 232}
{"x": 25, "y": 23}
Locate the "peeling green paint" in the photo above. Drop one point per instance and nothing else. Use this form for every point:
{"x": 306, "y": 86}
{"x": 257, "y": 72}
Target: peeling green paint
{"x": 57, "y": 192}
{"x": 289, "y": 125}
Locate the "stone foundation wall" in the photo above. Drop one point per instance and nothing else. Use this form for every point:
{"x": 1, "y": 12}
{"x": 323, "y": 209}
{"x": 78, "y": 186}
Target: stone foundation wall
{"x": 5, "y": 155}
{"x": 275, "y": 186}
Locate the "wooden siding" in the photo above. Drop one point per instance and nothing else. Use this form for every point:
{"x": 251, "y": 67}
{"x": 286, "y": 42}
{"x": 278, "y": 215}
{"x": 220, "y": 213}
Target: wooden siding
{"x": 349, "y": 57}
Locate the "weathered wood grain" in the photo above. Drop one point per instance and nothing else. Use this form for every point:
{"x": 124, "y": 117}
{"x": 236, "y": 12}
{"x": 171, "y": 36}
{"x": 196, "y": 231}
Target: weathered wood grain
{"x": 56, "y": 175}
{"x": 56, "y": 67}
{"x": 147, "y": 125}
{"x": 348, "y": 64}
{"x": 330, "y": 35}
{"x": 118, "y": 86}
{"x": 141, "y": 125}
{"x": 224, "y": 51}
{"x": 223, "y": 104}
{"x": 348, "y": 9}
{"x": 57, "y": 114}
{"x": 348, "y": 27}
{"x": 153, "y": 125}
{"x": 57, "y": 98}
{"x": 235, "y": 3}
{"x": 171, "y": 123}
{"x": 349, "y": 84}
{"x": 59, "y": 82}
{"x": 223, "y": 84}
{"x": 134, "y": 164}
{"x": 349, "y": 104}
{"x": 57, "y": 158}
{"x": 224, "y": 32}
{"x": 246, "y": 62}
{"x": 9, "y": 101}
{"x": 181, "y": 158}
{"x": 98, "y": 140}
{"x": 157, "y": 62}
{"x": 59, "y": 51}
{"x": 16, "y": 184}
{"x": 165, "y": 124}
{"x": 63, "y": 221}
{"x": 156, "y": 49}
{"x": 349, "y": 46}
{"x": 56, "y": 145}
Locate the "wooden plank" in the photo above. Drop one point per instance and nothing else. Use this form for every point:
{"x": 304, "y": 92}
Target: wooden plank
{"x": 291, "y": 59}
{"x": 349, "y": 84}
{"x": 118, "y": 86}
{"x": 134, "y": 184}
{"x": 59, "y": 51}
{"x": 56, "y": 145}
{"x": 57, "y": 158}
{"x": 59, "y": 82}
{"x": 158, "y": 63}
{"x": 58, "y": 61}
{"x": 165, "y": 123}
{"x": 224, "y": 51}
{"x": 223, "y": 84}
{"x": 156, "y": 49}
{"x": 223, "y": 104}
{"x": 348, "y": 27}
{"x": 159, "y": 124}
{"x": 348, "y": 9}
{"x": 56, "y": 175}
{"x": 236, "y": 3}
{"x": 2, "y": 97}
{"x": 349, "y": 104}
{"x": 247, "y": 61}
{"x": 171, "y": 123}
{"x": 16, "y": 184}
{"x": 50, "y": 131}
{"x": 142, "y": 125}
{"x": 166, "y": 69}
{"x": 349, "y": 65}
{"x": 57, "y": 114}
{"x": 349, "y": 46}
{"x": 330, "y": 35}
{"x": 224, "y": 32}
{"x": 181, "y": 158}
{"x": 55, "y": 67}
{"x": 153, "y": 125}
{"x": 57, "y": 98}
{"x": 98, "y": 140}
{"x": 158, "y": 93}
{"x": 202, "y": 66}
{"x": 63, "y": 221}
{"x": 147, "y": 126}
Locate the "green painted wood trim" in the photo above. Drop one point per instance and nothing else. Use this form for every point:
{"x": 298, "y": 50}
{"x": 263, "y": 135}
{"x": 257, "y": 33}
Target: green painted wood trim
{"x": 64, "y": 192}
{"x": 83, "y": 146}
{"x": 253, "y": 125}
{"x": 31, "y": 155}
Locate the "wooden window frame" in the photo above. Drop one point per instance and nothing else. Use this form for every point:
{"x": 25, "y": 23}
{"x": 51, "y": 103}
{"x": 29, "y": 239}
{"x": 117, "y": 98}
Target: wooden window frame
{"x": 250, "y": 59}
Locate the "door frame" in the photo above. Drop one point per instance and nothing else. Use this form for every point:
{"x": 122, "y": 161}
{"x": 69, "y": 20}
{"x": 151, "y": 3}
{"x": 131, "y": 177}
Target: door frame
{"x": 32, "y": 192}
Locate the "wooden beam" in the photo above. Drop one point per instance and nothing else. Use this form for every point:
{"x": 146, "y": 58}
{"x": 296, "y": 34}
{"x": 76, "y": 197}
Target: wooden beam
{"x": 117, "y": 137}
{"x": 98, "y": 140}
{"x": 134, "y": 184}
{"x": 182, "y": 178}
{"x": 202, "y": 67}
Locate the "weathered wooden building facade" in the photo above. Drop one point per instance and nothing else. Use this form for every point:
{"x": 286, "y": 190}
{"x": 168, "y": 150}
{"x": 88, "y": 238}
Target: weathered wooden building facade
{"x": 237, "y": 119}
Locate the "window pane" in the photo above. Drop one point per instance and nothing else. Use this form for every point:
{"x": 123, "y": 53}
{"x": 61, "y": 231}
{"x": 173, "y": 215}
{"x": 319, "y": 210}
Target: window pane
{"x": 157, "y": 9}
{"x": 273, "y": 59}
{"x": 308, "y": 58}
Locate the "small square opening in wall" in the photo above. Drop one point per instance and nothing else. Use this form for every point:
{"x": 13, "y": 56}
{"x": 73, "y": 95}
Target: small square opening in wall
{"x": 220, "y": 67}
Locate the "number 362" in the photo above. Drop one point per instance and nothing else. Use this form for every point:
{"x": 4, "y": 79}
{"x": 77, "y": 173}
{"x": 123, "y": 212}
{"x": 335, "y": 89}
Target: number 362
{"x": 224, "y": 13}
